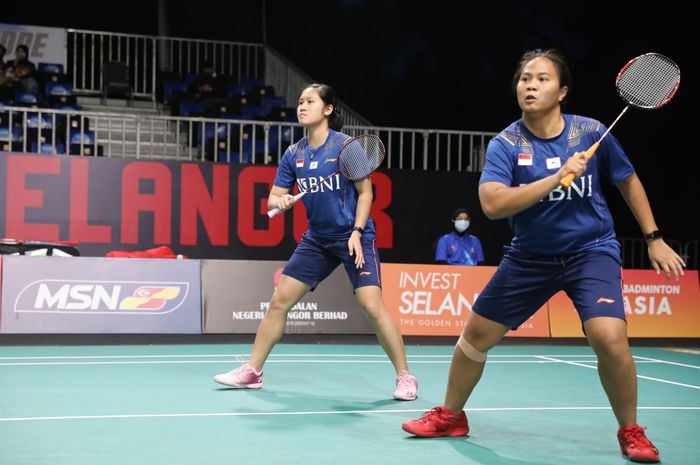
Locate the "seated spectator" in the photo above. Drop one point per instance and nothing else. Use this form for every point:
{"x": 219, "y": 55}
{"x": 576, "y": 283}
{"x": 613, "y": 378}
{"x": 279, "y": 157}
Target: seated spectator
{"x": 457, "y": 247}
{"x": 22, "y": 72}
{"x": 203, "y": 89}
{"x": 4, "y": 80}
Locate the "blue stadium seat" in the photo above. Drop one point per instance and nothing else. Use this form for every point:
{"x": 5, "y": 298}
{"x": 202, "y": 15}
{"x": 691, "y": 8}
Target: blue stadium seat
{"x": 10, "y": 135}
{"x": 190, "y": 78}
{"x": 50, "y": 68}
{"x": 253, "y": 111}
{"x": 39, "y": 120}
{"x": 240, "y": 155}
{"x": 27, "y": 98}
{"x": 56, "y": 100}
{"x": 87, "y": 137}
{"x": 58, "y": 88}
{"x": 245, "y": 99}
{"x": 271, "y": 102}
{"x": 212, "y": 131}
{"x": 189, "y": 108}
{"x": 234, "y": 90}
{"x": 263, "y": 91}
{"x": 48, "y": 148}
{"x": 284, "y": 133}
{"x": 252, "y": 81}
{"x": 171, "y": 86}
{"x": 283, "y": 114}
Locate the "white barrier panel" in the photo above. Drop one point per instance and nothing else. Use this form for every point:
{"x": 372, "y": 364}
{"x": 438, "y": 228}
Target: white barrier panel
{"x": 82, "y": 295}
{"x": 45, "y": 44}
{"x": 236, "y": 294}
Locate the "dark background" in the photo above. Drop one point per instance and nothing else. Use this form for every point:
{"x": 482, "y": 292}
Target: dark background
{"x": 430, "y": 65}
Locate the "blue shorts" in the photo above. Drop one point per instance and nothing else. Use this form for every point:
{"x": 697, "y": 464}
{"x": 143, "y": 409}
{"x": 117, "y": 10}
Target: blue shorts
{"x": 314, "y": 259}
{"x": 524, "y": 282}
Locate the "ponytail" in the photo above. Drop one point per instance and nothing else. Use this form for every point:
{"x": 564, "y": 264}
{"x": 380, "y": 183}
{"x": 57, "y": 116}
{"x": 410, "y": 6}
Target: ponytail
{"x": 336, "y": 120}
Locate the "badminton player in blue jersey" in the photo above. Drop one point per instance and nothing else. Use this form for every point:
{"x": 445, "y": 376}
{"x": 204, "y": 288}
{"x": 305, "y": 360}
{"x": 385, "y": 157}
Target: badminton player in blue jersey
{"x": 340, "y": 231}
{"x": 563, "y": 240}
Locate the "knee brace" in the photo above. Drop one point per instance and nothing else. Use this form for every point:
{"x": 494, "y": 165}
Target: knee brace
{"x": 470, "y": 351}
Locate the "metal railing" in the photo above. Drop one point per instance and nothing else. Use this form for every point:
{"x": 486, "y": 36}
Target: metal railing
{"x": 86, "y": 51}
{"x": 148, "y": 58}
{"x": 41, "y": 130}
{"x": 288, "y": 81}
{"x": 635, "y": 255}
{"x": 691, "y": 254}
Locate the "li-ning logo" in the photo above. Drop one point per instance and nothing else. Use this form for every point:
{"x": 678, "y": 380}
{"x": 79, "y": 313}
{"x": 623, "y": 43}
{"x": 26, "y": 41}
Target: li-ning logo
{"x": 101, "y": 297}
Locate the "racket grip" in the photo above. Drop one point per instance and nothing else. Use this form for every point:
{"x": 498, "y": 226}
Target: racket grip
{"x": 276, "y": 211}
{"x": 566, "y": 181}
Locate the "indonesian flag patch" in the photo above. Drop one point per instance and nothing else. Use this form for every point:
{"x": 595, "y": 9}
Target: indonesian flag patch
{"x": 525, "y": 159}
{"x": 300, "y": 162}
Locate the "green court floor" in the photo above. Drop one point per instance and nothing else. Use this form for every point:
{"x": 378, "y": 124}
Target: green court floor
{"x": 327, "y": 404}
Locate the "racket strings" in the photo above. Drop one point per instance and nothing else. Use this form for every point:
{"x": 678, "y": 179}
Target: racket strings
{"x": 360, "y": 157}
{"x": 649, "y": 82}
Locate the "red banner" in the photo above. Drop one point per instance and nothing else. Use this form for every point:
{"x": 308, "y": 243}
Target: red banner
{"x": 209, "y": 210}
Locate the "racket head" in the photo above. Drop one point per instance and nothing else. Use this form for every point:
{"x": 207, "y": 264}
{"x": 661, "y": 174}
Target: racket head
{"x": 648, "y": 81}
{"x": 360, "y": 156}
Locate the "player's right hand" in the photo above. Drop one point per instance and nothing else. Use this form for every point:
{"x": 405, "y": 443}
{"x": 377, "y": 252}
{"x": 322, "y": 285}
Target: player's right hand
{"x": 284, "y": 202}
{"x": 576, "y": 164}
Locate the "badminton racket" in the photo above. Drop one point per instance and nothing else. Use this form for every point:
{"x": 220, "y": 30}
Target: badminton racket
{"x": 357, "y": 159}
{"x": 648, "y": 81}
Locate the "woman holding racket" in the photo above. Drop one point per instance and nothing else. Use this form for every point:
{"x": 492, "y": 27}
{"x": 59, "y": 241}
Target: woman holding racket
{"x": 563, "y": 240}
{"x": 340, "y": 231}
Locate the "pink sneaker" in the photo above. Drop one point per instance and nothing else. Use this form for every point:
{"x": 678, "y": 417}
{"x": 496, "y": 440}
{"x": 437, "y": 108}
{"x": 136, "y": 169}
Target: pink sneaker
{"x": 244, "y": 376}
{"x": 406, "y": 387}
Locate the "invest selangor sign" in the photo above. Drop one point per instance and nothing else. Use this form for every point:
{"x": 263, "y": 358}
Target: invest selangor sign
{"x": 435, "y": 300}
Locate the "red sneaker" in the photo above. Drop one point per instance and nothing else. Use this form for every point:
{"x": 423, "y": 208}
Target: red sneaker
{"x": 438, "y": 422}
{"x": 635, "y": 445}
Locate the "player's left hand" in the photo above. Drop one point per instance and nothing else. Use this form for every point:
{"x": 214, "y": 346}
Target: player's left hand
{"x": 664, "y": 258}
{"x": 355, "y": 248}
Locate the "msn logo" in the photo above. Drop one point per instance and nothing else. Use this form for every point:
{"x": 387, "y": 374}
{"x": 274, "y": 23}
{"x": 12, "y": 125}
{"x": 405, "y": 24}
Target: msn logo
{"x": 78, "y": 297}
{"x": 98, "y": 297}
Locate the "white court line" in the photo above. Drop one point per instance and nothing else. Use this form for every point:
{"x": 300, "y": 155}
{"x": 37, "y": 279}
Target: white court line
{"x": 668, "y": 363}
{"x": 638, "y": 376}
{"x": 271, "y": 356}
{"x": 322, "y": 412}
{"x": 681, "y": 351}
{"x": 178, "y": 362}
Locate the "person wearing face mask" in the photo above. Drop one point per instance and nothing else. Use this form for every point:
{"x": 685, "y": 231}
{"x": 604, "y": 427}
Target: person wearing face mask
{"x": 458, "y": 247}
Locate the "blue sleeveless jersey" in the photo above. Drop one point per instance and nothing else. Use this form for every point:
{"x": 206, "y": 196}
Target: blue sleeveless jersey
{"x": 331, "y": 205}
{"x": 569, "y": 220}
